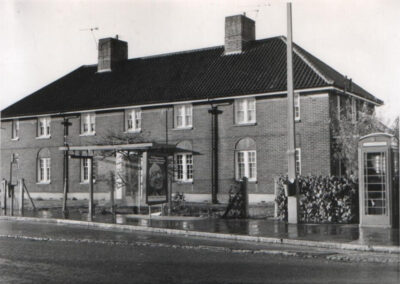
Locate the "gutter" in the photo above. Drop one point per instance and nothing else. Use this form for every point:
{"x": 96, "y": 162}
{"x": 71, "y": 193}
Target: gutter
{"x": 277, "y": 93}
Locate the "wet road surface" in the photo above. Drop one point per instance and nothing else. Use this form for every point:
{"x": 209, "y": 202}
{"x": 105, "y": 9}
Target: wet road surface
{"x": 48, "y": 253}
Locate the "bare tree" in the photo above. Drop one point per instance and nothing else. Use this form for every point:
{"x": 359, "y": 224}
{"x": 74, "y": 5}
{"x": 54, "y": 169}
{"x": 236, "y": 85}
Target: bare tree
{"x": 347, "y": 128}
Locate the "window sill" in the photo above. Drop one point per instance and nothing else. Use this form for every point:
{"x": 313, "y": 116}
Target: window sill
{"x": 133, "y": 131}
{"x": 86, "y": 182}
{"x": 15, "y": 139}
{"x": 249, "y": 181}
{"x": 184, "y": 181}
{"x": 43, "y": 137}
{"x": 246, "y": 124}
{"x": 297, "y": 120}
{"x": 87, "y": 134}
{"x": 183, "y": 128}
{"x": 43, "y": 183}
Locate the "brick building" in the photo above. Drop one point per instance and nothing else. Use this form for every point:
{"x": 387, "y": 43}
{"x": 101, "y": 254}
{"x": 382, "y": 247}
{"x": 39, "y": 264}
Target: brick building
{"x": 170, "y": 99}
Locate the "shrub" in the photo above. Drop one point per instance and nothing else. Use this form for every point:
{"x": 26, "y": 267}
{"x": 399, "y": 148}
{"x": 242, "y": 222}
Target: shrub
{"x": 322, "y": 199}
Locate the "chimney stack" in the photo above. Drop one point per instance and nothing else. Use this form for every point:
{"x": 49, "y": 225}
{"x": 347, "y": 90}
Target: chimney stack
{"x": 111, "y": 52}
{"x": 239, "y": 31}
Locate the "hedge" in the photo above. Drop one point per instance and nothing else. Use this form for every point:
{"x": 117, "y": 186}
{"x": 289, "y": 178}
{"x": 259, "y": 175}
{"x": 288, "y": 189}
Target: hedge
{"x": 323, "y": 199}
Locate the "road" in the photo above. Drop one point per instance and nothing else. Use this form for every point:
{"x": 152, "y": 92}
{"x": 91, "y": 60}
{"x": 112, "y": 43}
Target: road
{"x": 44, "y": 253}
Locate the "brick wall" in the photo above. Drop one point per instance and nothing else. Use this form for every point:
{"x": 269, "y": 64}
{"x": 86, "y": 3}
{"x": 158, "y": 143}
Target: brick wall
{"x": 269, "y": 133}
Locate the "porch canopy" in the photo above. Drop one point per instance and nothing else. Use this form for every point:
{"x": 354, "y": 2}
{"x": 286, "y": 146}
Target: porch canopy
{"x": 122, "y": 147}
{"x": 140, "y": 147}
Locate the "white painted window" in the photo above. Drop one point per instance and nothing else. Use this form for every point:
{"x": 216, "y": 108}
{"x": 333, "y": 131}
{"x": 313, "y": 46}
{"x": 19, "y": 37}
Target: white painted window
{"x": 338, "y": 107}
{"x": 246, "y": 165}
{"x": 183, "y": 116}
{"x": 43, "y": 127}
{"x": 15, "y": 129}
{"x": 133, "y": 120}
{"x": 85, "y": 168}
{"x": 184, "y": 167}
{"x": 88, "y": 123}
{"x": 296, "y": 106}
{"x": 44, "y": 170}
{"x": 298, "y": 161}
{"x": 245, "y": 111}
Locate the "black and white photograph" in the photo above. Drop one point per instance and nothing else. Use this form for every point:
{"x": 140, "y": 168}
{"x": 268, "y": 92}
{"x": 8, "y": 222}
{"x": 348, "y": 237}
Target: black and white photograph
{"x": 199, "y": 141}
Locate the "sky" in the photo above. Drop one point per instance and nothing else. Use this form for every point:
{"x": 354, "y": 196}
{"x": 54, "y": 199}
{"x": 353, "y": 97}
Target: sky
{"x": 43, "y": 40}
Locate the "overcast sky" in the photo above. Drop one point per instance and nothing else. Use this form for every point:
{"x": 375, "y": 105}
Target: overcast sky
{"x": 44, "y": 40}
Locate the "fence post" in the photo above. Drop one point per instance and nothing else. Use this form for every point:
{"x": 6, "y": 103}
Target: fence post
{"x": 112, "y": 194}
{"x": 245, "y": 197}
{"x": 11, "y": 190}
{"x": 275, "y": 194}
{"x": 21, "y": 196}
{"x": 91, "y": 189}
{"x": 4, "y": 196}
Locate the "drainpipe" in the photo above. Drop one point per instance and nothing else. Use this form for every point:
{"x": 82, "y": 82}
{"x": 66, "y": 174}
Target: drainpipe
{"x": 214, "y": 111}
{"x": 66, "y": 124}
{"x": 169, "y": 179}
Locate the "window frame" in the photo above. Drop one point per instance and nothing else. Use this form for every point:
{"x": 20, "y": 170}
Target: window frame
{"x": 187, "y": 168}
{"x": 186, "y": 116}
{"x": 296, "y": 106}
{"x": 15, "y": 129}
{"x": 297, "y": 159}
{"x": 83, "y": 167}
{"x": 46, "y": 121}
{"x": 246, "y": 162}
{"x": 134, "y": 115}
{"x": 45, "y": 170}
{"x": 88, "y": 119}
{"x": 247, "y": 103}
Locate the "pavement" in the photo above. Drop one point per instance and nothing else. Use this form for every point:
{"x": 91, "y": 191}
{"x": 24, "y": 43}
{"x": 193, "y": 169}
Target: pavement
{"x": 334, "y": 236}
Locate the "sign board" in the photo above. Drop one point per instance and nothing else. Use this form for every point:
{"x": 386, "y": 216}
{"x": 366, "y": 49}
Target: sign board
{"x": 14, "y": 174}
{"x": 156, "y": 181}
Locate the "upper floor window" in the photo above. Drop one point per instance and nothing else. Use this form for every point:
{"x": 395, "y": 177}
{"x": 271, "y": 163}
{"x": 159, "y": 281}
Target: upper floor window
{"x": 43, "y": 127}
{"x": 246, "y": 159}
{"x": 296, "y": 106}
{"x": 183, "y": 116}
{"x": 298, "y": 161}
{"x": 245, "y": 111}
{"x": 15, "y": 129}
{"x": 88, "y": 123}
{"x": 133, "y": 120}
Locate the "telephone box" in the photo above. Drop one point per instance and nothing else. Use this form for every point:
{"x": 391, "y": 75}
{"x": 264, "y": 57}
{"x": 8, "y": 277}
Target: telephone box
{"x": 378, "y": 157}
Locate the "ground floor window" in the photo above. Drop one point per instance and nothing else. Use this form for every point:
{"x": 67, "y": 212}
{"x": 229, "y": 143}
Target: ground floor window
{"x": 246, "y": 165}
{"x": 184, "y": 167}
{"x": 298, "y": 161}
{"x": 85, "y": 165}
{"x": 44, "y": 170}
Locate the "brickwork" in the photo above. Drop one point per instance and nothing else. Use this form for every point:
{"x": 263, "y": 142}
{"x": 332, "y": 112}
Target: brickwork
{"x": 269, "y": 133}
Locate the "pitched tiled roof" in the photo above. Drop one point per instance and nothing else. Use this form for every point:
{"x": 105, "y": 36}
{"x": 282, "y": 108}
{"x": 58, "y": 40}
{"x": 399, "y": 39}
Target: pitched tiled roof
{"x": 190, "y": 75}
